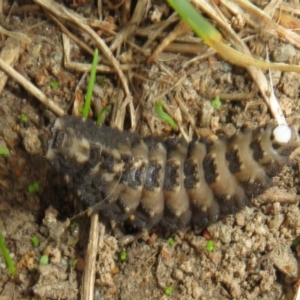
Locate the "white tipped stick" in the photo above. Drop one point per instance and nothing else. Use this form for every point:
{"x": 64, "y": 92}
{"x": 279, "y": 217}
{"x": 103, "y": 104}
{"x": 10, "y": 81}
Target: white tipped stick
{"x": 282, "y": 134}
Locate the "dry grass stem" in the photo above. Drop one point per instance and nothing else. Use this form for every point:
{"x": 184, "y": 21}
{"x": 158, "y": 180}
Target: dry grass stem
{"x": 28, "y": 86}
{"x": 16, "y": 35}
{"x": 73, "y": 37}
{"x": 181, "y": 29}
{"x": 154, "y": 33}
{"x": 169, "y": 90}
{"x": 186, "y": 48}
{"x": 234, "y": 97}
{"x": 264, "y": 21}
{"x": 10, "y": 54}
{"x": 131, "y": 26}
{"x": 88, "y": 284}
{"x": 81, "y": 67}
{"x": 293, "y": 8}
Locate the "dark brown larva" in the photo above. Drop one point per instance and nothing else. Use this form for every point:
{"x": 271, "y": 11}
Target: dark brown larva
{"x": 147, "y": 181}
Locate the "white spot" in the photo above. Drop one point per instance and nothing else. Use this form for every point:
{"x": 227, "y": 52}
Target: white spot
{"x": 50, "y": 154}
{"x": 282, "y": 134}
{"x": 176, "y": 189}
{"x": 177, "y": 214}
{"x": 151, "y": 213}
{"x": 67, "y": 178}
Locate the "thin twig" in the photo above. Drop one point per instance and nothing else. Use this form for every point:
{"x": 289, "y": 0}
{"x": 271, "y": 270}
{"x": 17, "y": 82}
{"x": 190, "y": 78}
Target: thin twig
{"x": 90, "y": 259}
{"x": 31, "y": 88}
{"x": 130, "y": 27}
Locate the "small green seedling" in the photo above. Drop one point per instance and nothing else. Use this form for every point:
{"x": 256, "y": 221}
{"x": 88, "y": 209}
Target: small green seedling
{"x": 73, "y": 225}
{"x": 44, "y": 260}
{"x": 34, "y": 187}
{"x": 23, "y": 118}
{"x": 4, "y": 151}
{"x": 88, "y": 97}
{"x": 171, "y": 241}
{"x": 163, "y": 115}
{"x": 216, "y": 103}
{"x": 74, "y": 262}
{"x": 210, "y": 246}
{"x": 168, "y": 290}
{"x": 54, "y": 84}
{"x": 7, "y": 257}
{"x": 104, "y": 110}
{"x": 35, "y": 241}
{"x": 123, "y": 255}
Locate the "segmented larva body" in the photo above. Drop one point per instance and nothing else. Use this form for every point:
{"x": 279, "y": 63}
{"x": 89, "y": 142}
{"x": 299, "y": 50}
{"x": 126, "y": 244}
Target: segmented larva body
{"x": 150, "y": 181}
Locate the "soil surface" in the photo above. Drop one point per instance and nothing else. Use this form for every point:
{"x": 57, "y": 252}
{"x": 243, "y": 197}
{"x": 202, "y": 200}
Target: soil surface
{"x": 252, "y": 256}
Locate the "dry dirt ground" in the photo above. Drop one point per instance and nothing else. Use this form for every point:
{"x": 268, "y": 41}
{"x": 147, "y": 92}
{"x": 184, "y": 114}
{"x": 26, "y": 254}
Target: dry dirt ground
{"x": 253, "y": 257}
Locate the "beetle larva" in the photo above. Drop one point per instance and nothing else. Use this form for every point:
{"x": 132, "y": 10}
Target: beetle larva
{"x": 150, "y": 181}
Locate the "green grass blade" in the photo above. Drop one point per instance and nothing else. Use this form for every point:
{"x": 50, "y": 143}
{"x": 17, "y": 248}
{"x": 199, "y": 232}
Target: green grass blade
{"x": 163, "y": 115}
{"x": 195, "y": 20}
{"x": 88, "y": 97}
{"x": 104, "y": 110}
{"x": 7, "y": 257}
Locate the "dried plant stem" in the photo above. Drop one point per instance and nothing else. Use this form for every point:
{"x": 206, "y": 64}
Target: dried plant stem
{"x": 31, "y": 88}
{"x": 90, "y": 259}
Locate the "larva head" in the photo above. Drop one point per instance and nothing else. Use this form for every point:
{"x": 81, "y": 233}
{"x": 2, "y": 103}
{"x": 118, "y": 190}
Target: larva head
{"x": 67, "y": 144}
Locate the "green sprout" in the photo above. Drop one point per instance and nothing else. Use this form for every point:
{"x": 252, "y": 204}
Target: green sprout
{"x": 73, "y": 225}
{"x": 34, "y": 187}
{"x": 35, "y": 241}
{"x": 210, "y": 246}
{"x": 164, "y": 116}
{"x": 23, "y": 118}
{"x": 216, "y": 103}
{"x": 4, "y": 151}
{"x": 168, "y": 290}
{"x": 171, "y": 241}
{"x": 74, "y": 262}
{"x": 44, "y": 260}
{"x": 54, "y": 84}
{"x": 104, "y": 110}
{"x": 88, "y": 97}
{"x": 7, "y": 257}
{"x": 123, "y": 255}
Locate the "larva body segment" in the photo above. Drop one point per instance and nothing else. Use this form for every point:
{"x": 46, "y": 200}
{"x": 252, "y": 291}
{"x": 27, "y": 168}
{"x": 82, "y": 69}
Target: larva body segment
{"x": 150, "y": 181}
